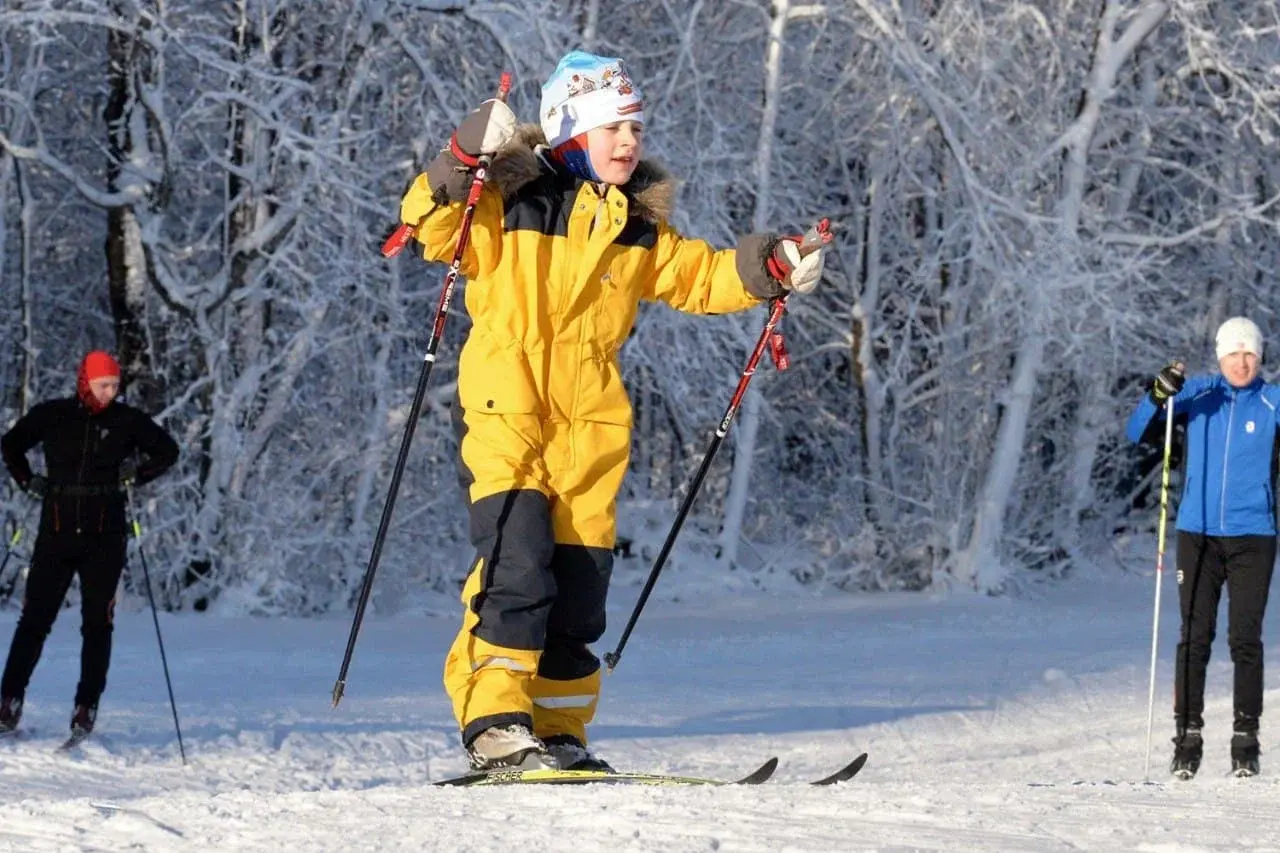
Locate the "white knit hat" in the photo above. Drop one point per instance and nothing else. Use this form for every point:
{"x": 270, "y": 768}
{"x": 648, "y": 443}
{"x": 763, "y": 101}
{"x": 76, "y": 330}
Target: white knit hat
{"x": 1239, "y": 334}
{"x": 584, "y": 92}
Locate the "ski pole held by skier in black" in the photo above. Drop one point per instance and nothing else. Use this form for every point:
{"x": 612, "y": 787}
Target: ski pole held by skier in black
{"x": 155, "y": 618}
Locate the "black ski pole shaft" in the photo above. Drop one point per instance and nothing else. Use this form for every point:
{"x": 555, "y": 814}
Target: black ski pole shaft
{"x": 813, "y": 239}
{"x": 155, "y": 618}
{"x": 611, "y": 659}
{"x": 392, "y": 247}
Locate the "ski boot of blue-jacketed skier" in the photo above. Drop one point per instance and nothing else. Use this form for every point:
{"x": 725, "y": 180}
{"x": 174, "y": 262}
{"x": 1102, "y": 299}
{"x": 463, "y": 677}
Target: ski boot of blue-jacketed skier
{"x": 1188, "y": 749}
{"x": 569, "y": 236}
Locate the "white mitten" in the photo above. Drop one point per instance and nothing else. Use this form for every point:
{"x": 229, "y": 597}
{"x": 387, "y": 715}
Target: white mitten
{"x": 801, "y": 273}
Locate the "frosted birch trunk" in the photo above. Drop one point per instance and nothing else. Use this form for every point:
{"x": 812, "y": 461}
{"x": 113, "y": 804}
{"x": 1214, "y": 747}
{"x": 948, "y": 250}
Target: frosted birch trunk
{"x": 866, "y": 309}
{"x": 980, "y": 564}
{"x": 129, "y": 128}
{"x": 747, "y": 426}
{"x": 25, "y": 349}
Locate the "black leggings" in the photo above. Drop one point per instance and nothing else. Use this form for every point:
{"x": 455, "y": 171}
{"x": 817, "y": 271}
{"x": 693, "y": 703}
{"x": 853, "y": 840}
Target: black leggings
{"x": 99, "y": 560}
{"x": 1205, "y": 563}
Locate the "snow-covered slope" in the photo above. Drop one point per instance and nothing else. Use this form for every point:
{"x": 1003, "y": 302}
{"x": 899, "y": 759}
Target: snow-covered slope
{"x": 992, "y": 724}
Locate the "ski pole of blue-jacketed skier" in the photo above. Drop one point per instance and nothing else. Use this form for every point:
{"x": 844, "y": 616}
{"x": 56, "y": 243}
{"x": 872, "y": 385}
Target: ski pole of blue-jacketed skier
{"x": 1160, "y": 543}
{"x": 155, "y": 618}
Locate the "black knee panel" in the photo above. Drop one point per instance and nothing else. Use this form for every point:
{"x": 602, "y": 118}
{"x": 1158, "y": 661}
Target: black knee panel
{"x": 582, "y": 578}
{"x": 566, "y": 660}
{"x": 512, "y": 535}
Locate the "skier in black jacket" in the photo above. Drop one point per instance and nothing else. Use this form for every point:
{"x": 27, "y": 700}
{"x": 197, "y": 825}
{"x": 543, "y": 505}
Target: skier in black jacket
{"x": 89, "y": 444}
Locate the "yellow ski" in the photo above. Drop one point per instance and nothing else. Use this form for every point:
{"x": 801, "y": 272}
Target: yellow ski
{"x": 516, "y": 776}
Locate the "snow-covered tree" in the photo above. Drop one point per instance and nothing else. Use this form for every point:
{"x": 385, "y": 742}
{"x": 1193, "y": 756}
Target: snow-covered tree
{"x": 1037, "y": 205}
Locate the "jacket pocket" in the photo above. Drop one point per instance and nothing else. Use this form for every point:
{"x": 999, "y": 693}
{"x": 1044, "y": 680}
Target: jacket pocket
{"x": 495, "y": 377}
{"x": 602, "y": 397}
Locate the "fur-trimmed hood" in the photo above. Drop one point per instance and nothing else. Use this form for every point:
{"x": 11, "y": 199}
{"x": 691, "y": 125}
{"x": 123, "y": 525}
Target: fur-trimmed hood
{"x": 651, "y": 189}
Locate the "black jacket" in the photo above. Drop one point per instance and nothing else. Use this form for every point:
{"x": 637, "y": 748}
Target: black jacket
{"x": 83, "y": 453}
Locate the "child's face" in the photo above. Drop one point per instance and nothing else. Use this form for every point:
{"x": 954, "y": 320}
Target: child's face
{"x": 615, "y": 150}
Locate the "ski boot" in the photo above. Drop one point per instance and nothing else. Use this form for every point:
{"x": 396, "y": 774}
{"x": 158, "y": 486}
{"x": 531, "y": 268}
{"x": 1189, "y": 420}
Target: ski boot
{"x": 10, "y": 714}
{"x": 1244, "y": 754}
{"x": 1188, "y": 747}
{"x": 572, "y": 754}
{"x": 82, "y": 720}
{"x": 512, "y": 747}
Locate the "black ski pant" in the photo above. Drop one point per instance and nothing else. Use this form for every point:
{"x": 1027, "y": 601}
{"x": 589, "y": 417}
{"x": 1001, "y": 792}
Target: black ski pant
{"x": 99, "y": 560}
{"x": 1205, "y": 563}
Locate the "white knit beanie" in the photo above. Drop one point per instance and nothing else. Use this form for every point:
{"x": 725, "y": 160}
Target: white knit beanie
{"x": 585, "y": 92}
{"x": 1239, "y": 334}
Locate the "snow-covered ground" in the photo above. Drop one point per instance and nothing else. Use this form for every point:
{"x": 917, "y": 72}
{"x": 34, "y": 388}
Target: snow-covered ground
{"x": 992, "y": 724}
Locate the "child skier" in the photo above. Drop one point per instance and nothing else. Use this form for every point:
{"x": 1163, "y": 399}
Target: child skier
{"x": 570, "y": 234}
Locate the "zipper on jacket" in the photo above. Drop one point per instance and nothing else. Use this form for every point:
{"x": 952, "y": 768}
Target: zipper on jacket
{"x": 1226, "y": 454}
{"x": 602, "y": 213}
{"x": 84, "y": 456}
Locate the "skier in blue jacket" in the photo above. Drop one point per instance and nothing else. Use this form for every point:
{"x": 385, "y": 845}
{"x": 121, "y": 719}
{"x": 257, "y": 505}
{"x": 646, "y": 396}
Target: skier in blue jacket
{"x": 1226, "y": 529}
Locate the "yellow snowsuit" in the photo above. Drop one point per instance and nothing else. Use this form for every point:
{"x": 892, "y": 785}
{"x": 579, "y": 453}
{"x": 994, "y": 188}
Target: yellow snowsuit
{"x": 556, "y": 271}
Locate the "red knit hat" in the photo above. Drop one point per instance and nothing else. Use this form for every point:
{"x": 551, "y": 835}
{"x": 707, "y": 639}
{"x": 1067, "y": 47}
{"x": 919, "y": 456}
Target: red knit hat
{"x": 96, "y": 365}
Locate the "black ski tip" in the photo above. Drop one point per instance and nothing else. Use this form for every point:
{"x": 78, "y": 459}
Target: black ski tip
{"x": 844, "y": 774}
{"x": 760, "y": 775}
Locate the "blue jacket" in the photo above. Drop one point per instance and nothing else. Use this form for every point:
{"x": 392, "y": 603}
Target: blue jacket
{"x": 1229, "y": 487}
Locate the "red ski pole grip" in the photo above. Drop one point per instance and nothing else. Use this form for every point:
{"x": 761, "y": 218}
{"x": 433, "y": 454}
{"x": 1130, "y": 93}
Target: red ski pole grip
{"x": 816, "y": 237}
{"x": 399, "y": 238}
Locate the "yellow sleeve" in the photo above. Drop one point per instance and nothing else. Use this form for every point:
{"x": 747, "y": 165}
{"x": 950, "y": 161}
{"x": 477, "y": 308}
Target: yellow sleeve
{"x": 691, "y": 276}
{"x": 437, "y": 227}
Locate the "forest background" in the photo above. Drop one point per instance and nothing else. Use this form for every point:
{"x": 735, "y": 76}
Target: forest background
{"x": 1038, "y": 204}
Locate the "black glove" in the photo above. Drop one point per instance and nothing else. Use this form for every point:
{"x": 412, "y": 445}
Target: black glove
{"x": 38, "y": 486}
{"x": 128, "y": 472}
{"x": 1168, "y": 382}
